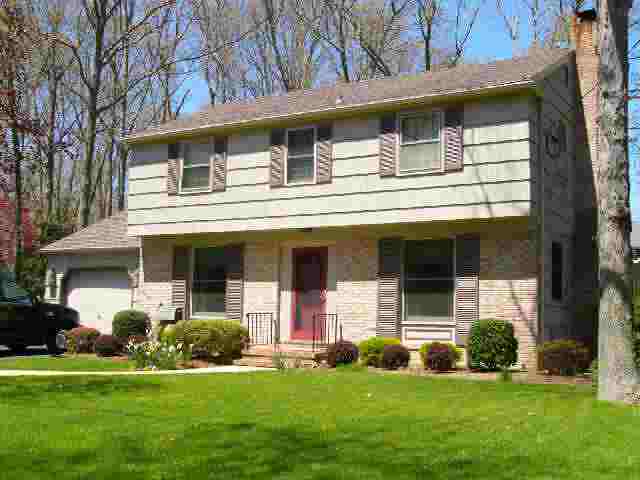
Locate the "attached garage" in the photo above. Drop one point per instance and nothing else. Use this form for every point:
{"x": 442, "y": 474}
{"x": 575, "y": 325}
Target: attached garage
{"x": 95, "y": 271}
{"x": 98, "y": 294}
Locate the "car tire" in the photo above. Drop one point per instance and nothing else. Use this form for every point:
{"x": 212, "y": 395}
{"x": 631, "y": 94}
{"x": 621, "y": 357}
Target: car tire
{"x": 18, "y": 348}
{"x": 56, "y": 342}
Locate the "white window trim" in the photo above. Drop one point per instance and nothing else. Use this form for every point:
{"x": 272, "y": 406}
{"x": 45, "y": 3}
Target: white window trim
{"x": 315, "y": 155}
{"x": 403, "y": 314}
{"x": 208, "y": 188}
{"x": 440, "y": 141}
{"x": 192, "y": 267}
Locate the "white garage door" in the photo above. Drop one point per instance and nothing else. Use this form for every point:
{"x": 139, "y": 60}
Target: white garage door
{"x": 98, "y": 295}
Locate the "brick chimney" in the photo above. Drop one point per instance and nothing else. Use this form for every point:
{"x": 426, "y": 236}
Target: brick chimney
{"x": 583, "y": 36}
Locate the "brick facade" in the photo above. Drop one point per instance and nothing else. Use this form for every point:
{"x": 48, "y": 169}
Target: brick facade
{"x": 509, "y": 288}
{"x": 507, "y": 285}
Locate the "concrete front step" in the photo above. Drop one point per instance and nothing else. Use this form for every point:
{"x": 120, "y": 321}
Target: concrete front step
{"x": 293, "y": 355}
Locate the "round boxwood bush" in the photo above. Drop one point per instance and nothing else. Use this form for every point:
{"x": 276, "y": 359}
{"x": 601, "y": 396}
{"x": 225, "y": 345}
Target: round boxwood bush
{"x": 341, "y": 353}
{"x": 492, "y": 345}
{"x": 129, "y": 323}
{"x": 371, "y": 349}
{"x": 81, "y": 339}
{"x": 424, "y": 349}
{"x": 440, "y": 357}
{"x": 107, "y": 346}
{"x": 395, "y": 357}
{"x": 564, "y": 357}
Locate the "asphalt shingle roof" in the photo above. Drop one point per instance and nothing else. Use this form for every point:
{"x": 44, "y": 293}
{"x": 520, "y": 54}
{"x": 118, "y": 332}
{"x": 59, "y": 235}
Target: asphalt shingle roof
{"x": 107, "y": 234}
{"x": 461, "y": 79}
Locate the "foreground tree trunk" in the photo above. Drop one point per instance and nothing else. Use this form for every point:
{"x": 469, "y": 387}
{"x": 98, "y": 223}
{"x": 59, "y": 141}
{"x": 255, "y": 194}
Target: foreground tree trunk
{"x": 617, "y": 369}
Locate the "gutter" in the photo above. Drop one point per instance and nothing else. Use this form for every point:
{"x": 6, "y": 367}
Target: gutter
{"x": 333, "y": 110}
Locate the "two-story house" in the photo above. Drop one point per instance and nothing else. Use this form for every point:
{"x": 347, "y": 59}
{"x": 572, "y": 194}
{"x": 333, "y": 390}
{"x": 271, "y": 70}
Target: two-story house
{"x": 405, "y": 207}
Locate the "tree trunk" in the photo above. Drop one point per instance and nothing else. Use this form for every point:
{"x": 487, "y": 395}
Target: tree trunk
{"x": 617, "y": 369}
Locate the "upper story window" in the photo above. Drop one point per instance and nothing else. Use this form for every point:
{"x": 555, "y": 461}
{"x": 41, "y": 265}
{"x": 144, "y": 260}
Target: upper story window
{"x": 420, "y": 142}
{"x": 196, "y": 164}
{"x": 301, "y": 155}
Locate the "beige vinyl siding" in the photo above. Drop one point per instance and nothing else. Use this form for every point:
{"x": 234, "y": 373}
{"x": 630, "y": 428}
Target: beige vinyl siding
{"x": 494, "y": 182}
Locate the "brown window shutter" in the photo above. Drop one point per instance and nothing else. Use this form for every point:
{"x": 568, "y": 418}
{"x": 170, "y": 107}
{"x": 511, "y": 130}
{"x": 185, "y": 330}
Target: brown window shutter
{"x": 453, "y": 139}
{"x": 235, "y": 282}
{"x": 388, "y": 145}
{"x": 324, "y": 164}
{"x": 219, "y": 165}
{"x": 467, "y": 285}
{"x": 389, "y": 295}
{"x": 180, "y": 279}
{"x": 172, "y": 169}
{"x": 278, "y": 153}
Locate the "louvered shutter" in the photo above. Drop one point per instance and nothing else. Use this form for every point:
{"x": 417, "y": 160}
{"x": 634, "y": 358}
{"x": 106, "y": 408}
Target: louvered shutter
{"x": 389, "y": 295}
{"x": 172, "y": 168}
{"x": 453, "y": 139}
{"x": 219, "y": 165}
{"x": 278, "y": 153}
{"x": 388, "y": 145}
{"x": 180, "y": 279}
{"x": 235, "y": 282}
{"x": 467, "y": 285}
{"x": 324, "y": 155}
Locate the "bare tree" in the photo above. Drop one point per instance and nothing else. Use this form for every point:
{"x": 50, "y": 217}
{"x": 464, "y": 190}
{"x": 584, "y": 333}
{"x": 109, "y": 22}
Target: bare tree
{"x": 618, "y": 373}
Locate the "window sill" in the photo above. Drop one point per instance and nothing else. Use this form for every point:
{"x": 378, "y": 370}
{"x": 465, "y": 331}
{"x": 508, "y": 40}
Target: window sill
{"x": 299, "y": 184}
{"x": 209, "y": 316}
{"x": 450, "y": 323}
{"x": 195, "y": 191}
{"x": 416, "y": 173}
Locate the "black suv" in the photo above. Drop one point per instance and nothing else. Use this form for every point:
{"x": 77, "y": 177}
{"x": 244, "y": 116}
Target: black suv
{"x": 25, "y": 321}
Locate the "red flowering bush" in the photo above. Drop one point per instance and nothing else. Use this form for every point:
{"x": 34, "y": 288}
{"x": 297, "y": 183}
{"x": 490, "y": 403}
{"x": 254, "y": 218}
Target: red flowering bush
{"x": 81, "y": 339}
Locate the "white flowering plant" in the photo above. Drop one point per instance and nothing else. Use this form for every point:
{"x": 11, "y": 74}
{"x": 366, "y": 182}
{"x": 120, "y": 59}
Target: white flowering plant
{"x": 158, "y": 355}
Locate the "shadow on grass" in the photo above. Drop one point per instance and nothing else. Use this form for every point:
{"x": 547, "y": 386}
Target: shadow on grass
{"x": 34, "y": 388}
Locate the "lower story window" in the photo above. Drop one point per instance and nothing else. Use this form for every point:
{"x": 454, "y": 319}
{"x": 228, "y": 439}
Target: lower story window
{"x": 209, "y": 282}
{"x": 429, "y": 281}
{"x": 557, "y": 272}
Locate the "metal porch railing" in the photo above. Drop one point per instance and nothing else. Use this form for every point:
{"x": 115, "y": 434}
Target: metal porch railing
{"x": 263, "y": 329}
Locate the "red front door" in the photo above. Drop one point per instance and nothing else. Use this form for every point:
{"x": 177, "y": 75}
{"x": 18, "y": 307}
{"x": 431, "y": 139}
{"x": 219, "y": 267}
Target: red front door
{"x": 309, "y": 290}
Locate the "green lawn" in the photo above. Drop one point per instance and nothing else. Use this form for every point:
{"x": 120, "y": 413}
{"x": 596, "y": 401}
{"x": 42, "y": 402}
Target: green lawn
{"x": 67, "y": 363}
{"x": 309, "y": 424}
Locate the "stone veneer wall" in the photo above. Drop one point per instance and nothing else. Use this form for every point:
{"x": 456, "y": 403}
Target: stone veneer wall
{"x": 509, "y": 289}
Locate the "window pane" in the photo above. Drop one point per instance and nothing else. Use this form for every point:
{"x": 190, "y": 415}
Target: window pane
{"x": 429, "y": 259}
{"x": 557, "y": 274}
{"x": 416, "y": 129}
{"x": 420, "y": 156}
{"x": 195, "y": 177}
{"x": 208, "y": 297}
{"x": 209, "y": 264}
{"x": 300, "y": 169}
{"x": 301, "y": 142}
{"x": 197, "y": 153}
{"x": 209, "y": 280}
{"x": 429, "y": 300}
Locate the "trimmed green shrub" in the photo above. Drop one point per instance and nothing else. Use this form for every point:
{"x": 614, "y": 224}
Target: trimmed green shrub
{"x": 81, "y": 339}
{"x": 108, "y": 346}
{"x": 371, "y": 349}
{"x": 395, "y": 357}
{"x": 492, "y": 345}
{"x": 440, "y": 357}
{"x": 564, "y": 357}
{"x": 341, "y": 353}
{"x": 424, "y": 348}
{"x": 221, "y": 341}
{"x": 635, "y": 328}
{"x": 128, "y": 323}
